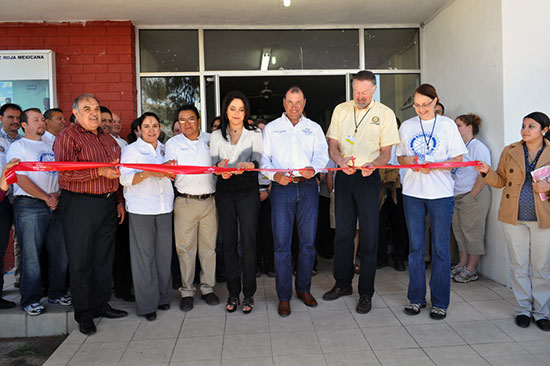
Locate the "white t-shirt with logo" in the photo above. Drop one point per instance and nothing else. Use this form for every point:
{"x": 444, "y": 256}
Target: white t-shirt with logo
{"x": 31, "y": 150}
{"x": 431, "y": 143}
{"x": 465, "y": 177}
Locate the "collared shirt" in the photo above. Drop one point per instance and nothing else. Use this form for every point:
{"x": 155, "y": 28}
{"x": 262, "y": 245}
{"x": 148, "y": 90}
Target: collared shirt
{"x": 6, "y": 136}
{"x": 191, "y": 152}
{"x": 152, "y": 196}
{"x": 75, "y": 143}
{"x": 48, "y": 138}
{"x": 4, "y": 146}
{"x": 289, "y": 146}
{"x": 30, "y": 150}
{"x": 376, "y": 128}
{"x": 120, "y": 141}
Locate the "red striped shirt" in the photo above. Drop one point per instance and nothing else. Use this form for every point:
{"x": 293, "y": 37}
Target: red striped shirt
{"x": 75, "y": 143}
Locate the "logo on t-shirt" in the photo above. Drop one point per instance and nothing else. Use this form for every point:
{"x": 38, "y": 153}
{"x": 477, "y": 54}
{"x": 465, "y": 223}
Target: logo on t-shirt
{"x": 423, "y": 145}
{"x": 47, "y": 156}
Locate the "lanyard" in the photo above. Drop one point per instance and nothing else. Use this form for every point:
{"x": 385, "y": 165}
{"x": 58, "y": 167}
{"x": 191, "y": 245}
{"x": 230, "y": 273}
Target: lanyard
{"x": 427, "y": 140}
{"x": 361, "y": 121}
{"x": 470, "y": 141}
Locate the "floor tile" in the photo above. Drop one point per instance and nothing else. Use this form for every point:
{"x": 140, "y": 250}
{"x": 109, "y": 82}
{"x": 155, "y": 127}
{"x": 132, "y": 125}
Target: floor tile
{"x": 295, "y": 343}
{"x": 435, "y": 335}
{"x": 389, "y": 338}
{"x": 252, "y": 323}
{"x": 162, "y": 328}
{"x": 148, "y": 352}
{"x": 246, "y": 346}
{"x": 255, "y": 361}
{"x": 114, "y": 330}
{"x": 521, "y": 334}
{"x": 342, "y": 340}
{"x": 399, "y": 357}
{"x": 455, "y": 356}
{"x": 336, "y": 319}
{"x": 104, "y": 353}
{"x": 494, "y": 309}
{"x": 377, "y": 317}
{"x": 62, "y": 354}
{"x": 300, "y": 360}
{"x": 298, "y": 321}
{"x": 197, "y": 349}
{"x": 462, "y": 311}
{"x": 504, "y": 354}
{"x": 356, "y": 358}
{"x": 481, "y": 331}
{"x": 203, "y": 326}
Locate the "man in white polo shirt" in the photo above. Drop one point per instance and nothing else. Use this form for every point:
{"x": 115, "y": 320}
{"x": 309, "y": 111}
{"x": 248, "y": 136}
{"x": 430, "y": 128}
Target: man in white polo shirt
{"x": 195, "y": 215}
{"x": 37, "y": 221}
{"x": 293, "y": 141}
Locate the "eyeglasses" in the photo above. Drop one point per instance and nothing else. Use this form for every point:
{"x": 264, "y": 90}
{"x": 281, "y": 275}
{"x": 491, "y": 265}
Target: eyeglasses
{"x": 190, "y": 120}
{"x": 425, "y": 105}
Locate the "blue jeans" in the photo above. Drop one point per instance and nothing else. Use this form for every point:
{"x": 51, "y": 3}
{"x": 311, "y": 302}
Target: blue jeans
{"x": 36, "y": 224}
{"x": 440, "y": 212}
{"x": 300, "y": 200}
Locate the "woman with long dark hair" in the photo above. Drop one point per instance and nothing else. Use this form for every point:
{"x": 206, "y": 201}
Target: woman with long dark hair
{"x": 525, "y": 218}
{"x": 238, "y": 144}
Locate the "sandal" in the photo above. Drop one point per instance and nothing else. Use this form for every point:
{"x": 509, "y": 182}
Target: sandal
{"x": 438, "y": 313}
{"x": 231, "y": 304}
{"x": 248, "y": 305}
{"x": 414, "y": 309}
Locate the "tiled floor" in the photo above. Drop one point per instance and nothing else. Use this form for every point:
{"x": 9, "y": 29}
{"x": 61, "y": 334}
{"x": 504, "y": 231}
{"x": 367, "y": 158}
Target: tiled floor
{"x": 479, "y": 330}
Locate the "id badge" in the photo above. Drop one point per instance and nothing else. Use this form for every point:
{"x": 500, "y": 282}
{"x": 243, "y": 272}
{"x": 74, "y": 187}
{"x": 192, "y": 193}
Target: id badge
{"x": 429, "y": 159}
{"x": 351, "y": 139}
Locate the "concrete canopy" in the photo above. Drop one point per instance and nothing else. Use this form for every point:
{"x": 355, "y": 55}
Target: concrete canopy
{"x": 243, "y": 13}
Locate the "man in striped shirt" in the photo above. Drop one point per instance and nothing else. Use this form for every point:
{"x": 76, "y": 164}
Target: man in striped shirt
{"x": 89, "y": 204}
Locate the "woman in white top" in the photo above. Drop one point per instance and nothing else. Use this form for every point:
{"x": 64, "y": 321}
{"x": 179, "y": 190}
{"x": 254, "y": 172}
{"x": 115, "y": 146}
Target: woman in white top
{"x": 429, "y": 138}
{"x": 149, "y": 201}
{"x": 238, "y": 144}
{"x": 472, "y": 202}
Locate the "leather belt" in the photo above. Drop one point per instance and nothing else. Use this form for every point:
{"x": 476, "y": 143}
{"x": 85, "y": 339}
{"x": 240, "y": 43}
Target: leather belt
{"x": 199, "y": 197}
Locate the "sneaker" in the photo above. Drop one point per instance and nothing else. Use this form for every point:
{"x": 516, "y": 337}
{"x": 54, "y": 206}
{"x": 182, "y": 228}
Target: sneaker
{"x": 466, "y": 276}
{"x": 65, "y": 300}
{"x": 455, "y": 270}
{"x": 34, "y": 309}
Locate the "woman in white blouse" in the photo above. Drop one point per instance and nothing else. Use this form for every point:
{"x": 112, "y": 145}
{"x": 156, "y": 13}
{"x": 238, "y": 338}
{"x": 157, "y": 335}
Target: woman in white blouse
{"x": 238, "y": 144}
{"x": 149, "y": 201}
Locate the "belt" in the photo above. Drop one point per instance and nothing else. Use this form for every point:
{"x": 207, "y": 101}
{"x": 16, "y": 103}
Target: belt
{"x": 28, "y": 198}
{"x": 104, "y": 195}
{"x": 297, "y": 179}
{"x": 199, "y": 197}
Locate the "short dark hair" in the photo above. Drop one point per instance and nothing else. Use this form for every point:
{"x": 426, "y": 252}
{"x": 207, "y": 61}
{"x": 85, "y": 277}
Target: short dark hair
{"x": 72, "y": 119}
{"x": 427, "y": 90}
{"x": 225, "y": 105}
{"x": 10, "y": 106}
{"x": 104, "y": 109}
{"x": 187, "y": 107}
{"x": 24, "y": 117}
{"x": 541, "y": 118}
{"x": 147, "y": 114}
{"x": 217, "y": 118}
{"x": 82, "y": 97}
{"x": 365, "y": 75}
{"x": 471, "y": 119}
{"x": 49, "y": 112}
{"x": 442, "y": 107}
{"x": 132, "y": 135}
{"x": 294, "y": 89}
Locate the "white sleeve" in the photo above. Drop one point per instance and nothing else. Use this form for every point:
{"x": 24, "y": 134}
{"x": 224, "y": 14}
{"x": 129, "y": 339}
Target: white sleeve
{"x": 170, "y": 150}
{"x": 266, "y": 154}
{"x": 129, "y": 155}
{"x": 320, "y": 150}
{"x": 16, "y": 151}
{"x": 257, "y": 148}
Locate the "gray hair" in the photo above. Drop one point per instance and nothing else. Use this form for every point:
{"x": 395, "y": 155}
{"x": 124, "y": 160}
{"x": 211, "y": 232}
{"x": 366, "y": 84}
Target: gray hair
{"x": 82, "y": 97}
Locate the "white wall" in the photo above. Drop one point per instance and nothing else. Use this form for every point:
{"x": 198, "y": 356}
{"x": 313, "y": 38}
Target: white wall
{"x": 462, "y": 57}
{"x": 526, "y": 62}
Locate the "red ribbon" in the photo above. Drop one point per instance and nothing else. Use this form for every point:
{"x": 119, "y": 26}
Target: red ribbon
{"x": 29, "y": 166}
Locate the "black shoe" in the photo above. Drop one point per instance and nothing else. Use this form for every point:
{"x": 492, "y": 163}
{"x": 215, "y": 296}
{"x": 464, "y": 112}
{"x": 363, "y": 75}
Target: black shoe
{"x": 399, "y": 266}
{"x": 211, "y": 299}
{"x": 337, "y": 292}
{"x": 164, "y": 307}
{"x": 523, "y": 321}
{"x": 186, "y": 303}
{"x": 271, "y": 274}
{"x": 127, "y": 297}
{"x": 151, "y": 316}
{"x": 5, "y": 304}
{"x": 543, "y": 324}
{"x": 364, "y": 305}
{"x": 221, "y": 278}
{"x": 87, "y": 327}
{"x": 111, "y": 313}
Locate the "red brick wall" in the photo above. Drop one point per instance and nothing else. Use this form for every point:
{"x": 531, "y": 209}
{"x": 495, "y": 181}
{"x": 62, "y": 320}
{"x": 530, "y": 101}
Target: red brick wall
{"x": 93, "y": 57}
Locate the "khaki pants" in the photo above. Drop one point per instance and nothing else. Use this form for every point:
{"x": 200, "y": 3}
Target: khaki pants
{"x": 195, "y": 229}
{"x": 469, "y": 217}
{"x": 529, "y": 251}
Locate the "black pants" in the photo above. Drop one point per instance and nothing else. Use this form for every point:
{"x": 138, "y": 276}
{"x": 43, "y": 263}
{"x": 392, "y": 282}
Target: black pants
{"x": 6, "y": 221}
{"x": 265, "y": 238}
{"x": 89, "y": 229}
{"x": 122, "y": 271}
{"x": 393, "y": 217}
{"x": 239, "y": 210}
{"x": 356, "y": 197}
{"x": 324, "y": 241}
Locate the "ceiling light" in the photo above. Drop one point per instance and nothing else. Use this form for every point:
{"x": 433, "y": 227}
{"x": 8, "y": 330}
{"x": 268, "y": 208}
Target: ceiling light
{"x": 286, "y": 3}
